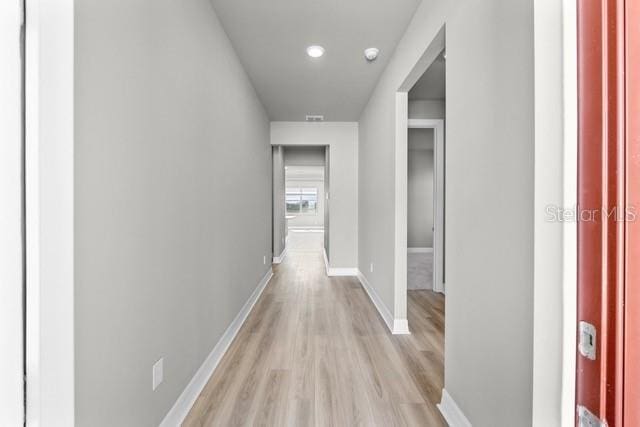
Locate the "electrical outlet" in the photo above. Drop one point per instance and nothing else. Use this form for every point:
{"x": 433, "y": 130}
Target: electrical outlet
{"x": 371, "y": 267}
{"x": 264, "y": 260}
{"x": 157, "y": 373}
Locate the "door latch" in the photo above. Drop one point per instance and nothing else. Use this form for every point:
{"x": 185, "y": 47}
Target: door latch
{"x": 587, "y": 419}
{"x": 587, "y": 343}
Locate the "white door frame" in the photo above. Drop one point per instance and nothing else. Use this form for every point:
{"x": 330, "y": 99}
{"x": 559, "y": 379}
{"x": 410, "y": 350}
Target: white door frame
{"x": 11, "y": 217}
{"x": 438, "y": 196}
{"x": 49, "y": 187}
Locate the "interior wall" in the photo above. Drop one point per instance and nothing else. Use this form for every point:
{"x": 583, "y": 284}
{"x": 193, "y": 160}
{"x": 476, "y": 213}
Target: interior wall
{"x": 489, "y": 171}
{"x": 420, "y": 196}
{"x": 427, "y": 108}
{"x": 172, "y": 185}
{"x": 327, "y": 202}
{"x": 279, "y": 222}
{"x": 342, "y": 139}
{"x": 304, "y": 156}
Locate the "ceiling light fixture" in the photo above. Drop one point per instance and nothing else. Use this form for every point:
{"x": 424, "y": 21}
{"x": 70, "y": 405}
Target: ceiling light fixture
{"x": 371, "y": 53}
{"x": 315, "y": 51}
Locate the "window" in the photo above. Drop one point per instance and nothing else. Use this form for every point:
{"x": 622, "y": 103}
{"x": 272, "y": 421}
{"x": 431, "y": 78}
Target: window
{"x": 302, "y": 201}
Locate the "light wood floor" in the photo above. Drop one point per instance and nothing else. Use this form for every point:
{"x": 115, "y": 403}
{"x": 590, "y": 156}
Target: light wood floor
{"x": 314, "y": 351}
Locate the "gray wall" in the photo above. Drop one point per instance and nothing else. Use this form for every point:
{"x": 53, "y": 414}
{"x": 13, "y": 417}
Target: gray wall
{"x": 342, "y": 139}
{"x": 172, "y": 201}
{"x": 279, "y": 221}
{"x": 426, "y": 108}
{"x": 327, "y": 202}
{"x": 420, "y": 197}
{"x": 489, "y": 205}
{"x": 304, "y": 156}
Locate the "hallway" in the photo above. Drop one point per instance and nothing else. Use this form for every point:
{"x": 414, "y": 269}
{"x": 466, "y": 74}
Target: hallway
{"x": 214, "y": 215}
{"x": 314, "y": 351}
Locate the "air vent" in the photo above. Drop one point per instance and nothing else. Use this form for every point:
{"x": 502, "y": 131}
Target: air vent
{"x": 315, "y": 118}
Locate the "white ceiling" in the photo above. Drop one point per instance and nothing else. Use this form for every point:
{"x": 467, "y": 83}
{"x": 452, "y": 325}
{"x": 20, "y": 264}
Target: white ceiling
{"x": 432, "y": 83}
{"x": 271, "y": 36}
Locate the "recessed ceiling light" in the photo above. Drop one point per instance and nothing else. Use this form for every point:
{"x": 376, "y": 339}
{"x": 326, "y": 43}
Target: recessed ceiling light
{"x": 371, "y": 53}
{"x": 315, "y": 51}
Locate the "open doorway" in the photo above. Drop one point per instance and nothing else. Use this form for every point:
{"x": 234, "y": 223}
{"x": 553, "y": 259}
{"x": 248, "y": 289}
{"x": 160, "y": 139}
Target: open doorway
{"x": 425, "y": 211}
{"x": 425, "y": 200}
{"x": 425, "y": 181}
{"x": 300, "y": 201}
{"x": 420, "y": 207}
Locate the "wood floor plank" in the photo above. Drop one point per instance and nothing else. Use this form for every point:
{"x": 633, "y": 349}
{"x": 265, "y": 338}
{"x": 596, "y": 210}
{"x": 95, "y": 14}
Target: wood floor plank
{"x": 315, "y": 352}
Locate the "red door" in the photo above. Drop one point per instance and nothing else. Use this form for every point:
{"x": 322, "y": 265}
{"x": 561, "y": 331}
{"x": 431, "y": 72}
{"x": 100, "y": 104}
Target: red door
{"x": 608, "y": 189}
{"x": 632, "y": 256}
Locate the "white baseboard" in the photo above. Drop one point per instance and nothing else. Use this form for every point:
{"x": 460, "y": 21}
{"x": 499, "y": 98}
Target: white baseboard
{"x": 181, "y": 408}
{"x": 331, "y": 271}
{"x": 342, "y": 271}
{"x": 396, "y": 326}
{"x": 400, "y": 327}
{"x": 419, "y": 250}
{"x": 326, "y": 260}
{"x": 452, "y": 412}
{"x": 279, "y": 259}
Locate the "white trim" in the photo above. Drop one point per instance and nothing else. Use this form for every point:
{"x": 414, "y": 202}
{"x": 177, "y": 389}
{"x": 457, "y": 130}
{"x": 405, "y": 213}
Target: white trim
{"x": 400, "y": 327}
{"x": 401, "y": 185}
{"x": 452, "y": 412}
{"x": 348, "y": 271}
{"x": 424, "y": 123}
{"x": 326, "y": 260}
{"x": 332, "y": 271}
{"x": 396, "y": 326}
{"x": 419, "y": 250}
{"x": 279, "y": 259}
{"x": 570, "y": 197}
{"x": 49, "y": 157}
{"x": 11, "y": 244}
{"x": 181, "y": 408}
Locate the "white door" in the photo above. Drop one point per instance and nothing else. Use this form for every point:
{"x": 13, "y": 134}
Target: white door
{"x": 11, "y": 259}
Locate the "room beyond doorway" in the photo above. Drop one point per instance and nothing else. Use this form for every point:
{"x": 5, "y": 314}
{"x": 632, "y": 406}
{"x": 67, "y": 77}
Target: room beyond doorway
{"x": 300, "y": 197}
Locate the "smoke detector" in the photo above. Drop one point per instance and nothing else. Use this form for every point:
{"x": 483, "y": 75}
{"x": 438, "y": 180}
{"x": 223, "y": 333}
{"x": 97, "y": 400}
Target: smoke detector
{"x": 371, "y": 53}
{"x": 315, "y": 118}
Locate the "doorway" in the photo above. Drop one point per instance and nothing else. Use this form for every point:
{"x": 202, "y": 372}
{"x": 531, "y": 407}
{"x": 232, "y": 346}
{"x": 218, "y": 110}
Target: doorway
{"x": 420, "y": 151}
{"x": 300, "y": 201}
{"x": 420, "y": 180}
{"x": 425, "y": 202}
